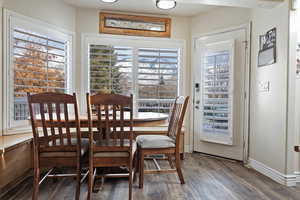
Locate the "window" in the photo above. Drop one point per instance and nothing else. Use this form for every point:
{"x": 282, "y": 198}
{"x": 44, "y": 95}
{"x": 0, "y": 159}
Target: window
{"x": 151, "y": 74}
{"x": 216, "y": 106}
{"x": 157, "y": 79}
{"x": 39, "y": 61}
{"x": 39, "y": 66}
{"x": 110, "y": 69}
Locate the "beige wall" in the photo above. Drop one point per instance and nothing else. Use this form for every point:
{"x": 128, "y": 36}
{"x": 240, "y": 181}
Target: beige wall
{"x": 54, "y": 12}
{"x": 268, "y": 110}
{"x": 88, "y": 22}
{"x": 218, "y": 19}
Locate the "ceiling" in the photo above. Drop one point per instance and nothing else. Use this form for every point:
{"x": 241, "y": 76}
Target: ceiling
{"x": 143, "y": 6}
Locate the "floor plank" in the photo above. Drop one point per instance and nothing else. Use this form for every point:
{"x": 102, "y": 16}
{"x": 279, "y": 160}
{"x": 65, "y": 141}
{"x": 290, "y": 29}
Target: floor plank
{"x": 207, "y": 178}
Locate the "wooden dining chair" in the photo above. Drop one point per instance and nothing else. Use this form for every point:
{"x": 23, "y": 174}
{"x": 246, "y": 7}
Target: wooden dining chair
{"x": 114, "y": 146}
{"x": 56, "y": 141}
{"x": 168, "y": 145}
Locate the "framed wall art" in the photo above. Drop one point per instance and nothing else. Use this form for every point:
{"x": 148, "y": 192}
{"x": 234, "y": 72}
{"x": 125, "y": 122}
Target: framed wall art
{"x": 267, "y": 48}
{"x": 135, "y": 25}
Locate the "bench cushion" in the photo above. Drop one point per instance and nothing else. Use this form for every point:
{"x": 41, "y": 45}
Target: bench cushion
{"x": 155, "y": 141}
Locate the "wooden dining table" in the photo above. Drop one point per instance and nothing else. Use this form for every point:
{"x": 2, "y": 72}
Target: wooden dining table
{"x": 140, "y": 119}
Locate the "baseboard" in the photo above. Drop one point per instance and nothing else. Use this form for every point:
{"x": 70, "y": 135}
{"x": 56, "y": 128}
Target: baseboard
{"x": 297, "y": 177}
{"x": 288, "y": 180}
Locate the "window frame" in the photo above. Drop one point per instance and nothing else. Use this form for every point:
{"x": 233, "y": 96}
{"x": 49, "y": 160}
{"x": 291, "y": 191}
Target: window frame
{"x": 11, "y": 20}
{"x": 135, "y": 42}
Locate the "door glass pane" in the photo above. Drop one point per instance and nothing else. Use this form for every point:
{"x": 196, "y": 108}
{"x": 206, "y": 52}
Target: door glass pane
{"x": 216, "y": 93}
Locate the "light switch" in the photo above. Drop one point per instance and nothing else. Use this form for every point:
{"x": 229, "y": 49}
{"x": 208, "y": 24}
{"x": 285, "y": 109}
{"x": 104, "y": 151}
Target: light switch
{"x": 264, "y": 86}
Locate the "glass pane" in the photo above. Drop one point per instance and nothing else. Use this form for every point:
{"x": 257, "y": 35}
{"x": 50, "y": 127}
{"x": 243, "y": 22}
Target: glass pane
{"x": 39, "y": 66}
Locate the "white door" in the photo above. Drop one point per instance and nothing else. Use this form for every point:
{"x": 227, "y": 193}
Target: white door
{"x": 219, "y": 94}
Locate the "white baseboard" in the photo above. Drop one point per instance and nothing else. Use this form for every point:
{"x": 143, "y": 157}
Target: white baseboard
{"x": 288, "y": 180}
{"x": 297, "y": 177}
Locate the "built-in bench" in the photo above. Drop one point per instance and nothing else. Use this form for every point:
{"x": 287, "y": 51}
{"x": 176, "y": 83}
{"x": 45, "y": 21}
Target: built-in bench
{"x": 16, "y": 160}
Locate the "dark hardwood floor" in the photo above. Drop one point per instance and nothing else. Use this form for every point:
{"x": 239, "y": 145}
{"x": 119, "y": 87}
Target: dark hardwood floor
{"x": 206, "y": 179}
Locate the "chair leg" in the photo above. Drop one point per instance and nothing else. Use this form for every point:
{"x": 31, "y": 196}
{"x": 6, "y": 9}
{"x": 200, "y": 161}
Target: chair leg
{"x": 130, "y": 179}
{"x": 36, "y": 181}
{"x": 90, "y": 182}
{"x": 78, "y": 181}
{"x": 178, "y": 168}
{"x": 141, "y": 169}
{"x": 170, "y": 161}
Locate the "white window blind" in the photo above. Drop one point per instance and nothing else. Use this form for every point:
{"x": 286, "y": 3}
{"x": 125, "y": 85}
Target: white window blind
{"x": 111, "y": 69}
{"x": 217, "y": 92}
{"x": 39, "y": 65}
{"x": 157, "y": 79}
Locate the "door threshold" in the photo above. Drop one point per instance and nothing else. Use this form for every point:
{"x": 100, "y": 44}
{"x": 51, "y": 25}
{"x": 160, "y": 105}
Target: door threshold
{"x": 218, "y": 157}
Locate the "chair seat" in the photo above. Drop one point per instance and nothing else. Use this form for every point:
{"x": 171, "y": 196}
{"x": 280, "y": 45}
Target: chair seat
{"x": 155, "y": 141}
{"x": 65, "y": 154}
{"x": 114, "y": 154}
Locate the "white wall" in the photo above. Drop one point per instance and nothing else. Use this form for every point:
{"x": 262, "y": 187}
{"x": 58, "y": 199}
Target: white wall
{"x": 268, "y": 109}
{"x": 88, "y": 22}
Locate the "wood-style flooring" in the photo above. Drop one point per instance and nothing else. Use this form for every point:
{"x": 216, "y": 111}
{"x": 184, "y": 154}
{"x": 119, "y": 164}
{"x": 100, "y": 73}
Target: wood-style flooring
{"x": 206, "y": 178}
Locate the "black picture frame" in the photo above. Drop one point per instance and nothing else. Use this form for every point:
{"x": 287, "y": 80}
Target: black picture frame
{"x": 267, "y": 48}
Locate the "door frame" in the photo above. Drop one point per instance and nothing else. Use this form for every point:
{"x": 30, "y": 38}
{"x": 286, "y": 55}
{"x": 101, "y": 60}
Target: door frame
{"x": 247, "y": 75}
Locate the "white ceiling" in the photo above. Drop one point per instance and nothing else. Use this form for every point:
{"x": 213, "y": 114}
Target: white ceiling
{"x": 143, "y": 6}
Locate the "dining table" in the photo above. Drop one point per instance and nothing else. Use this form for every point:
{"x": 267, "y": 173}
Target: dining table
{"x": 140, "y": 119}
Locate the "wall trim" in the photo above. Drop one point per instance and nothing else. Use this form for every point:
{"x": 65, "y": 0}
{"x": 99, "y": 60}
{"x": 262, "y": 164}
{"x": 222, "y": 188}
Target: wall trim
{"x": 297, "y": 177}
{"x": 284, "y": 179}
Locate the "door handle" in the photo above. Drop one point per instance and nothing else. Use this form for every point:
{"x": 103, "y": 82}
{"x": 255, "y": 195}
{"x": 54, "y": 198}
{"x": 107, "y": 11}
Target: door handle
{"x": 197, "y": 107}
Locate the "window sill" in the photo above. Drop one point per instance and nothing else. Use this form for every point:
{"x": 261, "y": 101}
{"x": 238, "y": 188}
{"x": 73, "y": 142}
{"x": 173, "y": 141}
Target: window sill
{"x": 17, "y": 130}
{"x": 9, "y": 142}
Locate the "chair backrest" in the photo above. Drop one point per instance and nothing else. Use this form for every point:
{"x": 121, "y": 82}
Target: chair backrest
{"x": 113, "y": 115}
{"x": 177, "y": 117}
{"x": 52, "y": 123}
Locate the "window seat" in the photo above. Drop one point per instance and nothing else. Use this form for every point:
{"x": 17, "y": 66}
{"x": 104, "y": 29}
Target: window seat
{"x": 9, "y": 142}
{"x": 15, "y": 160}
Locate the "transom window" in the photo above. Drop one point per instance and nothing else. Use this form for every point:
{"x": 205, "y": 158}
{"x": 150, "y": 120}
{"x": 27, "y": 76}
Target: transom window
{"x": 151, "y": 74}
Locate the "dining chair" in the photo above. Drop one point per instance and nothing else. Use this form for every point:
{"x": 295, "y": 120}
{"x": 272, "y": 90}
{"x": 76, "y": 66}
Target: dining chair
{"x": 56, "y": 141}
{"x": 114, "y": 146}
{"x": 169, "y": 145}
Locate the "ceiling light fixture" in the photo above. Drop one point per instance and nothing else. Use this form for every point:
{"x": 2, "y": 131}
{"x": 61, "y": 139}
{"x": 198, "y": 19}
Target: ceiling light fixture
{"x": 166, "y": 4}
{"x": 109, "y": 1}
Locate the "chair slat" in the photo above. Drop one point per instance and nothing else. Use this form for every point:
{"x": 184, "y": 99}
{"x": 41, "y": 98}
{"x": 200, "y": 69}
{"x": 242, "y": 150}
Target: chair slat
{"x": 107, "y": 127}
{"x": 42, "y": 111}
{"x": 50, "y": 113}
{"x": 67, "y": 124}
{"x": 114, "y": 122}
{"x": 60, "y": 131}
{"x": 99, "y": 124}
